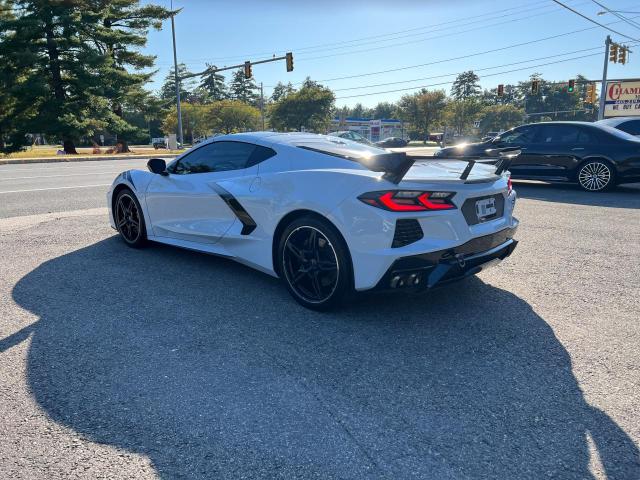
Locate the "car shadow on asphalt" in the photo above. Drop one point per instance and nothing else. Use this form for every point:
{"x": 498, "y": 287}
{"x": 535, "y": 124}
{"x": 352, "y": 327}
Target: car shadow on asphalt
{"x": 622, "y": 196}
{"x": 212, "y": 371}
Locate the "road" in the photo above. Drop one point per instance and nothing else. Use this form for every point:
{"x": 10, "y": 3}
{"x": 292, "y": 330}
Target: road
{"x": 163, "y": 363}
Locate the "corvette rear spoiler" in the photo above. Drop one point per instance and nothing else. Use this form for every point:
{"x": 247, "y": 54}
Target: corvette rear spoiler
{"x": 505, "y": 157}
{"x": 395, "y": 165}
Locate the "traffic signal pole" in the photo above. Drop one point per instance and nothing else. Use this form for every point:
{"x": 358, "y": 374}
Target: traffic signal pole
{"x": 603, "y": 88}
{"x": 176, "y": 79}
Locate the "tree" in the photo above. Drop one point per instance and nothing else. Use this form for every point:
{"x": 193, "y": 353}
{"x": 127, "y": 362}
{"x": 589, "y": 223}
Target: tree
{"x": 497, "y": 118}
{"x": 384, "y": 110}
{"x": 18, "y": 94}
{"x": 423, "y": 110}
{"x": 466, "y": 86}
{"x": 123, "y": 29}
{"x": 230, "y": 116}
{"x": 310, "y": 108}
{"x": 243, "y": 88}
{"x": 196, "y": 120}
{"x": 78, "y": 52}
{"x": 462, "y": 113}
{"x": 213, "y": 84}
{"x": 168, "y": 89}
{"x": 281, "y": 90}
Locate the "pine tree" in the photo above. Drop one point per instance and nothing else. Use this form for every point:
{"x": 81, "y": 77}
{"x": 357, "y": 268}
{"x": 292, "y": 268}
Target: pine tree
{"x": 78, "y": 52}
{"x": 121, "y": 25}
{"x": 281, "y": 90}
{"x": 243, "y": 89}
{"x": 213, "y": 84}
{"x": 168, "y": 89}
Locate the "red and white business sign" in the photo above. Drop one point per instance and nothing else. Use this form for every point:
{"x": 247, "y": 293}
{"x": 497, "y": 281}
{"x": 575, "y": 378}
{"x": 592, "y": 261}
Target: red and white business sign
{"x": 622, "y": 99}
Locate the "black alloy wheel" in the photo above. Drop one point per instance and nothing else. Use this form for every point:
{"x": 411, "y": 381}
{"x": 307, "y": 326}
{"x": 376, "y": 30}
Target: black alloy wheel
{"x": 129, "y": 220}
{"x": 596, "y": 176}
{"x": 314, "y": 263}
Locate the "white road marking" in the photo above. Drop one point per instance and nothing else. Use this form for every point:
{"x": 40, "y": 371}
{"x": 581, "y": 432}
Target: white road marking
{"x": 61, "y": 175}
{"x": 56, "y": 188}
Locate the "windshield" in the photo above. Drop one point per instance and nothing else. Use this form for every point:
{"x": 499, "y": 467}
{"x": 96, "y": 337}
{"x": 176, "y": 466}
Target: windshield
{"x": 341, "y": 147}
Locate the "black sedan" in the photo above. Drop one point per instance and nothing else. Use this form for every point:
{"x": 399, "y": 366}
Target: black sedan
{"x": 594, "y": 155}
{"x": 392, "y": 142}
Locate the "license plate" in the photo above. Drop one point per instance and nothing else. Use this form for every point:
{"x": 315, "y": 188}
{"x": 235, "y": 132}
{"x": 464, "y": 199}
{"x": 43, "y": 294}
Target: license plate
{"x": 485, "y": 208}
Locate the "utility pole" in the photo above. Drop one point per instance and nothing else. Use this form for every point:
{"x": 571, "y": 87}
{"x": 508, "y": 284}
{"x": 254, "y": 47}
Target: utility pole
{"x": 262, "y": 105}
{"x": 176, "y": 77}
{"x": 603, "y": 89}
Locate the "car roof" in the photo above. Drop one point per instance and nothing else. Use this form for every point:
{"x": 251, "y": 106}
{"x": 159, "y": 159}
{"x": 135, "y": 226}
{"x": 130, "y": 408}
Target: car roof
{"x": 617, "y": 120}
{"x": 291, "y": 138}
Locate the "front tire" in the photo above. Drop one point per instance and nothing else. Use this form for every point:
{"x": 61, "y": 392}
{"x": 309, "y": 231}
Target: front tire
{"x": 129, "y": 219}
{"x": 314, "y": 263}
{"x": 596, "y": 176}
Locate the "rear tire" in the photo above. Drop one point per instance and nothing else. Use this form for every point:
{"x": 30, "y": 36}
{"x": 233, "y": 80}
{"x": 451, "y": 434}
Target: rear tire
{"x": 314, "y": 262}
{"x": 129, "y": 220}
{"x": 596, "y": 176}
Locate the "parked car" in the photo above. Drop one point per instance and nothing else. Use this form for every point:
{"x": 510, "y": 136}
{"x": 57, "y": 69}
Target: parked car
{"x": 630, "y": 125}
{"x": 353, "y": 136}
{"x": 594, "y": 155}
{"x": 490, "y": 136}
{"x": 326, "y": 215}
{"x": 392, "y": 142}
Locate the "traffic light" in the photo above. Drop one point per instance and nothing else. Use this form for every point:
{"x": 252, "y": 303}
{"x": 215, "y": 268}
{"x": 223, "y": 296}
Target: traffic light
{"x": 613, "y": 53}
{"x": 622, "y": 55}
{"x": 535, "y": 87}
{"x": 247, "y": 70}
{"x": 572, "y": 86}
{"x": 289, "y": 58}
{"x": 500, "y": 90}
{"x": 590, "y": 96}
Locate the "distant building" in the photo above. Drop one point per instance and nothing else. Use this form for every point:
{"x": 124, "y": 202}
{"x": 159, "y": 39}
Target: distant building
{"x": 374, "y": 130}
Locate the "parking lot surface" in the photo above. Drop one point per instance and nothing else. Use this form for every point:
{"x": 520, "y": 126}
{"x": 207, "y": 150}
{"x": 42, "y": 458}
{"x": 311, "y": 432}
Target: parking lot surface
{"x": 164, "y": 363}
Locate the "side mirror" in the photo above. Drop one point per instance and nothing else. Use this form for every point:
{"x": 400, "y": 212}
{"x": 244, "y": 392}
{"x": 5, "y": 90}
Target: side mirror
{"x": 158, "y": 166}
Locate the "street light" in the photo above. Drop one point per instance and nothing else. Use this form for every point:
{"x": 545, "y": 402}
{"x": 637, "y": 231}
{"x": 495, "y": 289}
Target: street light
{"x": 604, "y": 12}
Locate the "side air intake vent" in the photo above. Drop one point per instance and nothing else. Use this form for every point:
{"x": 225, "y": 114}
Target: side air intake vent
{"x": 407, "y": 231}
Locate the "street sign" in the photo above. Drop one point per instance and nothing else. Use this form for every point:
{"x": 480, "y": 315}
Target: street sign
{"x": 622, "y": 99}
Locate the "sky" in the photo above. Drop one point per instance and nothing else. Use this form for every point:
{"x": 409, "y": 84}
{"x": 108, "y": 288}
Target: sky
{"x": 391, "y": 48}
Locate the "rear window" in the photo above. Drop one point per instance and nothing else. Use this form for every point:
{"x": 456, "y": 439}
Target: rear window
{"x": 632, "y": 127}
{"x": 618, "y": 133}
{"x": 341, "y": 147}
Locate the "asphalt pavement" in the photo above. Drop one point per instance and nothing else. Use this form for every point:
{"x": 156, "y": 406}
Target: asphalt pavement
{"x": 164, "y": 363}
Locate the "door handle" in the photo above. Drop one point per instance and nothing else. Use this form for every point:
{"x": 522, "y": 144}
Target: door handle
{"x": 576, "y": 149}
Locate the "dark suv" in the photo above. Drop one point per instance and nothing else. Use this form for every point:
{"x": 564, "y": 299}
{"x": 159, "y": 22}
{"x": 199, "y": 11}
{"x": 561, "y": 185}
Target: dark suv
{"x": 594, "y": 155}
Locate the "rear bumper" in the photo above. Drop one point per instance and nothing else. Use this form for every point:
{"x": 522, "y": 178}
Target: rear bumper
{"x": 425, "y": 271}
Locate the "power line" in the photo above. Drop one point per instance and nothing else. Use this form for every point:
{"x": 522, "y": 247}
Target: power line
{"x": 461, "y": 57}
{"x": 617, "y": 14}
{"x": 475, "y": 70}
{"x": 457, "y": 32}
{"x": 475, "y": 18}
{"x": 451, "y": 59}
{"x": 488, "y": 75}
{"x": 593, "y": 21}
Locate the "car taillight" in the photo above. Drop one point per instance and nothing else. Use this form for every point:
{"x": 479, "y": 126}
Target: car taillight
{"x": 409, "y": 200}
{"x": 509, "y": 185}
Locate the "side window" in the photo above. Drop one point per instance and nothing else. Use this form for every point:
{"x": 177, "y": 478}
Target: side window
{"x": 587, "y": 137}
{"x": 260, "y": 154}
{"x": 216, "y": 157}
{"x": 558, "y": 134}
{"x": 518, "y": 135}
{"x": 195, "y": 161}
{"x": 632, "y": 127}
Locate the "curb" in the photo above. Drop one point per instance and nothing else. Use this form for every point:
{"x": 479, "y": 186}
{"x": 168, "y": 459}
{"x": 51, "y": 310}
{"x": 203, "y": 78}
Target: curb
{"x": 70, "y": 158}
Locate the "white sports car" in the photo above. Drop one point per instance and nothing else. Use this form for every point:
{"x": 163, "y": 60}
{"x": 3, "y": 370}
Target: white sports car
{"x": 325, "y": 214}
